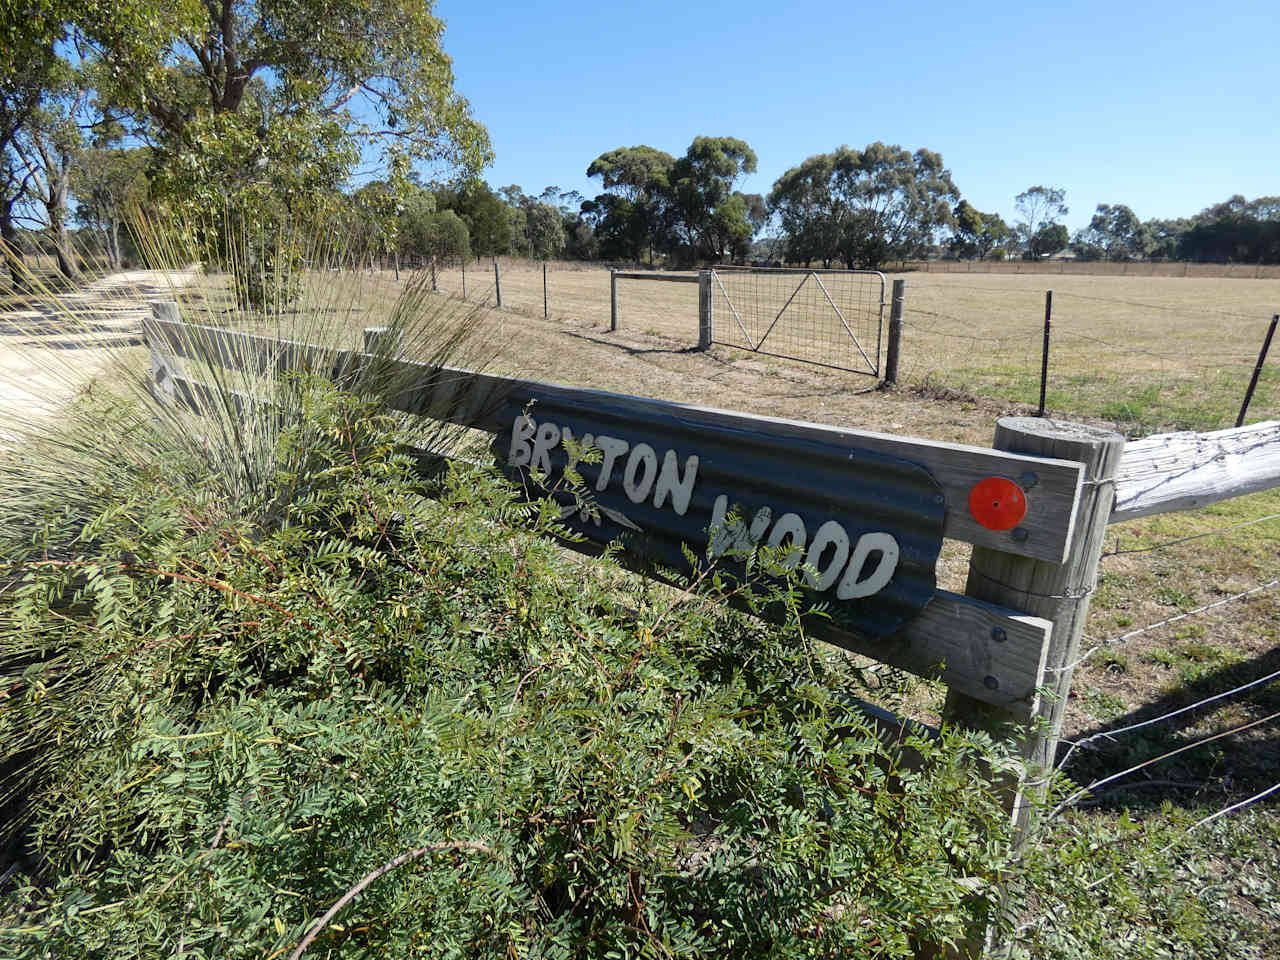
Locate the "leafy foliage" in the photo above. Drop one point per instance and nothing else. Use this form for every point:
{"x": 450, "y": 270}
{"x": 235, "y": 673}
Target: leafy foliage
{"x": 863, "y": 207}
{"x": 221, "y": 716}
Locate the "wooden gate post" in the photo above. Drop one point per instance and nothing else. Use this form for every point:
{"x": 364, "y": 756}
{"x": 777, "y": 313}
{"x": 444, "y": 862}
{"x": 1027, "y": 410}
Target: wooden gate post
{"x": 706, "y": 328}
{"x": 1058, "y": 592}
{"x": 894, "y": 344}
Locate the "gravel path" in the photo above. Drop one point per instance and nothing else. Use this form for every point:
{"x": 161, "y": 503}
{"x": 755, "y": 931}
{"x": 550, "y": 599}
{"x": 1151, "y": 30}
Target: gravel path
{"x": 50, "y": 349}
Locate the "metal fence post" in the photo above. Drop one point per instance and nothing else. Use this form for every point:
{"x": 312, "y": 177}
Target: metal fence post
{"x": 894, "y": 346}
{"x": 706, "y": 325}
{"x": 613, "y": 300}
{"x": 1044, "y": 356}
{"x": 1257, "y": 370}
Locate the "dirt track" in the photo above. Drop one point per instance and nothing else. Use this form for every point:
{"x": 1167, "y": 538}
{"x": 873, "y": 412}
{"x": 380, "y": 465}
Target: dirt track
{"x": 55, "y": 344}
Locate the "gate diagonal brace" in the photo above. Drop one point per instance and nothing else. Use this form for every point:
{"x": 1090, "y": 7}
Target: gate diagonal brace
{"x": 734, "y": 311}
{"x": 803, "y": 281}
{"x": 852, "y": 336}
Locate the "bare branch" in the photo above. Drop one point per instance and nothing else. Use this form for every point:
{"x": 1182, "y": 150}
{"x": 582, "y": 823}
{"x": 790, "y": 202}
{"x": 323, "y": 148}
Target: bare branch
{"x": 390, "y": 865}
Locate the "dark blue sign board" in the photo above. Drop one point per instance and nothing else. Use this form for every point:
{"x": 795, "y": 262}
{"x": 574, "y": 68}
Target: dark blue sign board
{"x": 867, "y": 526}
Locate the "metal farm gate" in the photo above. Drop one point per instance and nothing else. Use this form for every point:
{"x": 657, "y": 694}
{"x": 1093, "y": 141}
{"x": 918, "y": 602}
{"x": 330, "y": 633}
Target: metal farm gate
{"x": 833, "y": 318}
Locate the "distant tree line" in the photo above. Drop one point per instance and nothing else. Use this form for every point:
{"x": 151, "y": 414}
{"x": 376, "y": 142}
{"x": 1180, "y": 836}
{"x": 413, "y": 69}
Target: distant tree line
{"x": 225, "y": 114}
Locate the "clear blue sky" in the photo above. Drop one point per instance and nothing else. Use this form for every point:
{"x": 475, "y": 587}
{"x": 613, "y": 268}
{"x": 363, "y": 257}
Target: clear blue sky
{"x": 1165, "y": 107}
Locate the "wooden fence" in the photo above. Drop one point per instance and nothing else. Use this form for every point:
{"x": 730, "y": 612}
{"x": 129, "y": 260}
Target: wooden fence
{"x": 1035, "y": 506}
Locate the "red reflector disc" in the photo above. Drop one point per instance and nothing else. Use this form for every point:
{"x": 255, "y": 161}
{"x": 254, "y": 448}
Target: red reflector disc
{"x": 997, "y": 503}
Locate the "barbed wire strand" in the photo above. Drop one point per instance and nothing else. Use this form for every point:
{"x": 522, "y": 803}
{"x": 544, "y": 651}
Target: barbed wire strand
{"x": 1164, "y": 756}
{"x": 1197, "y": 536}
{"x": 1124, "y": 637}
{"x": 1112, "y": 734}
{"x": 1185, "y": 311}
{"x": 1235, "y": 806}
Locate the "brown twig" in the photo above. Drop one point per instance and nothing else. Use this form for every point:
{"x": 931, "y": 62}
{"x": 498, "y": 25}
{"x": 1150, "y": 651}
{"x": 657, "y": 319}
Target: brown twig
{"x": 390, "y": 865}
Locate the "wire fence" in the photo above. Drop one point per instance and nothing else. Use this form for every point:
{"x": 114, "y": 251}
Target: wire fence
{"x": 1095, "y": 268}
{"x": 565, "y": 290}
{"x": 1148, "y": 357}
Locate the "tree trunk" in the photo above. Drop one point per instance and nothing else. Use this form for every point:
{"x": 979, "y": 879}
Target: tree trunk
{"x": 12, "y": 254}
{"x": 66, "y": 256}
{"x": 114, "y": 247}
{"x": 55, "y": 205}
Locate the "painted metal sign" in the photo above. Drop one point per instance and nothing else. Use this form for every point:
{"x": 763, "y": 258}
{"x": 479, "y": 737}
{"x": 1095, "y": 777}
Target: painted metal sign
{"x": 867, "y": 526}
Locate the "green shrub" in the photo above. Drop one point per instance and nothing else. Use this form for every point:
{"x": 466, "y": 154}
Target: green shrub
{"x": 221, "y": 716}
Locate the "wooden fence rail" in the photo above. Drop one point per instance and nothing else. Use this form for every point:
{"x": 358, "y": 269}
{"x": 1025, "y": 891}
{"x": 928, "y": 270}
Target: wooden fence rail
{"x": 1035, "y": 507}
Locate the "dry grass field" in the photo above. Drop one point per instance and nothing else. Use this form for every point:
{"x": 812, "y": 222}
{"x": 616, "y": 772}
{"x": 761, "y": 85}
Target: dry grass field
{"x": 1133, "y": 353}
{"x": 1145, "y": 353}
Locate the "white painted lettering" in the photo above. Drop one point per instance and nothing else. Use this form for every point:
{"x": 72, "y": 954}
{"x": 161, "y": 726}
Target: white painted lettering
{"x": 544, "y": 441}
{"x": 669, "y": 482}
{"x": 830, "y": 534}
{"x": 850, "y": 586}
{"x": 789, "y": 524}
{"x": 612, "y": 448}
{"x": 522, "y": 428}
{"x": 759, "y": 524}
{"x": 567, "y": 440}
{"x": 721, "y": 536}
{"x": 637, "y": 489}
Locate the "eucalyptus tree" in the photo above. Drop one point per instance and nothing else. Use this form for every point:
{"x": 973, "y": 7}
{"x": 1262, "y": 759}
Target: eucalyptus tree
{"x": 261, "y": 109}
{"x": 1040, "y": 207}
{"x": 863, "y": 207}
{"x": 707, "y": 217}
{"x": 976, "y": 234}
{"x": 1114, "y": 233}
{"x": 44, "y": 146}
{"x": 630, "y": 216}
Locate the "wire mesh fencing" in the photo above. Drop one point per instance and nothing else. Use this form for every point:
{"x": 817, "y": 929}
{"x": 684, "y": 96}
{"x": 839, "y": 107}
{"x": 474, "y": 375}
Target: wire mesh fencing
{"x": 1146, "y": 354}
{"x": 829, "y": 317}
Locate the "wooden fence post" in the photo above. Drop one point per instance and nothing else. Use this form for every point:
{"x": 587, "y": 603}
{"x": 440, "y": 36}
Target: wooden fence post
{"x": 894, "y": 344}
{"x": 164, "y": 365}
{"x": 1058, "y": 592}
{"x": 544, "y": 290}
{"x": 497, "y": 283}
{"x": 384, "y": 341}
{"x": 613, "y": 300}
{"x": 706, "y": 324}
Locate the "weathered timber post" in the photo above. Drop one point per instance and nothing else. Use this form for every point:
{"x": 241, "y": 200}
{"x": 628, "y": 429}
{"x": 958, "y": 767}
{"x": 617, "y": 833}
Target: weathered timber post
{"x": 613, "y": 300}
{"x": 497, "y": 283}
{"x": 544, "y": 290}
{"x": 894, "y": 346}
{"x": 464, "y": 278}
{"x": 706, "y": 324}
{"x": 435, "y": 288}
{"x": 383, "y": 341}
{"x": 1058, "y": 592}
{"x": 164, "y": 364}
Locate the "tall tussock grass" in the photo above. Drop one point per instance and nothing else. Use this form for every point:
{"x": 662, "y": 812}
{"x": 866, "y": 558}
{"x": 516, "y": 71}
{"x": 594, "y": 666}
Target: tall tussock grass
{"x": 267, "y": 688}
